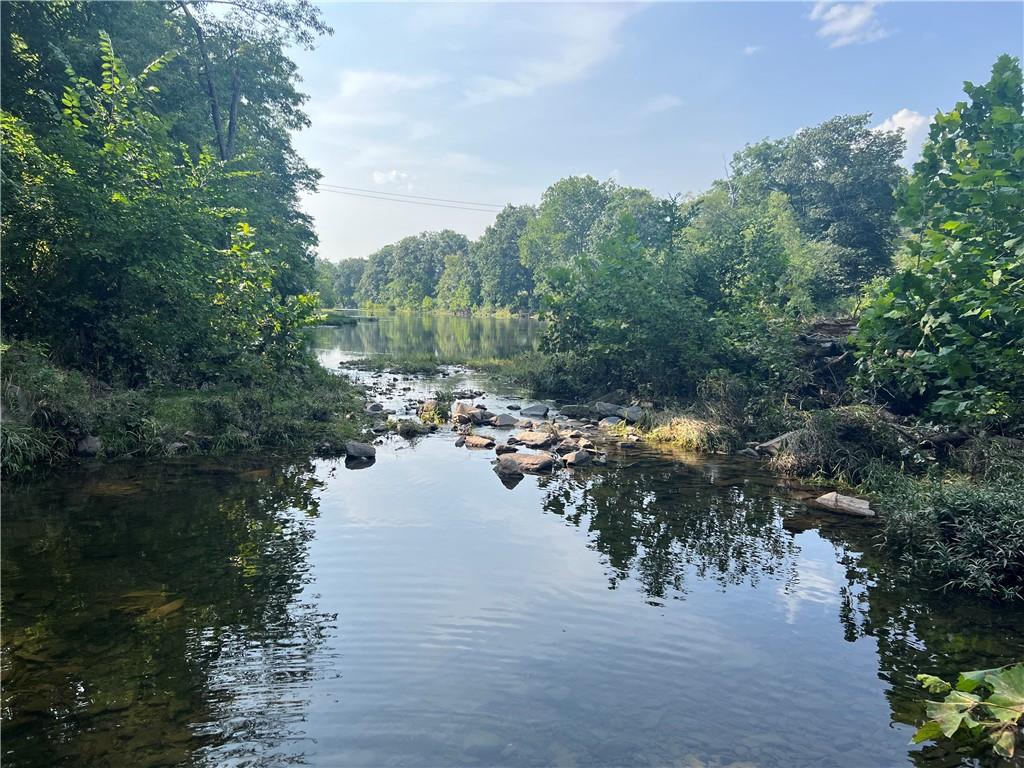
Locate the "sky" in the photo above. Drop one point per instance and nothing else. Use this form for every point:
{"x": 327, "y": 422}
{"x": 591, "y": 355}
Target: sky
{"x": 477, "y": 105}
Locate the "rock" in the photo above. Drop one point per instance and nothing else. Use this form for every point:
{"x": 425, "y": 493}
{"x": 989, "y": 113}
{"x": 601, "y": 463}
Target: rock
{"x": 633, "y": 414}
{"x": 505, "y": 449}
{"x": 847, "y": 505}
{"x": 535, "y": 411}
{"x": 504, "y": 420}
{"x": 749, "y": 453}
{"x": 352, "y": 462}
{"x": 577, "y": 459}
{"x": 374, "y": 408}
{"x": 616, "y": 397}
{"x": 460, "y": 441}
{"x": 90, "y": 445}
{"x": 174, "y": 448}
{"x": 772, "y": 447}
{"x": 356, "y": 450}
{"x": 482, "y": 416}
{"x": 409, "y": 429}
{"x": 610, "y": 421}
{"x": 463, "y": 409}
{"x": 478, "y": 441}
{"x": 566, "y": 446}
{"x": 532, "y": 439}
{"x": 607, "y": 409}
{"x": 521, "y": 464}
{"x": 578, "y": 411}
{"x": 514, "y": 407}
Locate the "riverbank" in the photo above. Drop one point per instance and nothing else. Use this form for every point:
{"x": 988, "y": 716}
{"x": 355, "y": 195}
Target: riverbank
{"x": 53, "y": 415}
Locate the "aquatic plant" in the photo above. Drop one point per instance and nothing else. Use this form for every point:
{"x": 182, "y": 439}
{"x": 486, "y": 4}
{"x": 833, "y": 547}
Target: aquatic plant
{"x": 986, "y": 705}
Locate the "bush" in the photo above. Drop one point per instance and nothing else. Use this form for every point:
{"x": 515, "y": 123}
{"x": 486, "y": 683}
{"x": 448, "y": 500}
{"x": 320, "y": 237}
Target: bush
{"x": 968, "y": 535}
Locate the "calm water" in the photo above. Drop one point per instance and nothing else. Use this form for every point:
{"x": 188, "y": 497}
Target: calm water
{"x": 661, "y": 611}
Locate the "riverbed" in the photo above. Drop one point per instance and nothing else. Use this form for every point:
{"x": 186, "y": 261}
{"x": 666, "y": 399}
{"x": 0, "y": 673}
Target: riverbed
{"x": 661, "y": 610}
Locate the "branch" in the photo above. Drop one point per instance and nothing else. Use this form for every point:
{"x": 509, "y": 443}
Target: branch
{"x": 211, "y": 89}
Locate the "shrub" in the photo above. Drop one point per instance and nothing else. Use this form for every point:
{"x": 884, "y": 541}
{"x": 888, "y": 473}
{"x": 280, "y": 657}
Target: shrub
{"x": 695, "y": 435}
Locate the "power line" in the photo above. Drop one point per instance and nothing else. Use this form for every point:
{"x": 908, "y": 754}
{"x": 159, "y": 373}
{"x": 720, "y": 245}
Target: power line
{"x": 341, "y": 187}
{"x": 408, "y": 202}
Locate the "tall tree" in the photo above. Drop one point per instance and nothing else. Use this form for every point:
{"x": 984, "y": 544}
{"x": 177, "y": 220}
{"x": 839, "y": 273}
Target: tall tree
{"x": 504, "y": 281}
{"x": 840, "y": 178}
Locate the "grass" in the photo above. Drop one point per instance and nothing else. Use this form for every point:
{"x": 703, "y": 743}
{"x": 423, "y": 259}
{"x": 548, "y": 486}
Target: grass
{"x": 48, "y": 409}
{"x": 964, "y": 533}
{"x": 695, "y": 435}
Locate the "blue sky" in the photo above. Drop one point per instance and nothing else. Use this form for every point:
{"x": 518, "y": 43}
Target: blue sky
{"x": 493, "y": 103}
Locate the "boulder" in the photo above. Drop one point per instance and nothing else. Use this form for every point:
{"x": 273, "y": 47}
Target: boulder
{"x": 478, "y": 441}
{"x": 633, "y": 413}
{"x": 514, "y": 407}
{"x": 356, "y": 450}
{"x": 522, "y": 464}
{"x": 505, "y": 449}
{"x": 532, "y": 439}
{"x": 847, "y": 505}
{"x": 504, "y": 420}
{"x": 482, "y": 416}
{"x": 607, "y": 409}
{"x": 578, "y": 411}
{"x": 374, "y": 408}
{"x": 460, "y": 441}
{"x": 609, "y": 421}
{"x": 616, "y": 397}
{"x": 577, "y": 459}
{"x": 90, "y": 445}
{"x": 566, "y": 446}
{"x": 535, "y": 411}
{"x": 177, "y": 447}
{"x": 463, "y": 409}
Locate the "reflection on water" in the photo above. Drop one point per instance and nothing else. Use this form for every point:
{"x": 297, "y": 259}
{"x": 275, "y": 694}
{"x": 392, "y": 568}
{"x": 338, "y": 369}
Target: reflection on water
{"x": 445, "y": 337}
{"x": 659, "y": 611}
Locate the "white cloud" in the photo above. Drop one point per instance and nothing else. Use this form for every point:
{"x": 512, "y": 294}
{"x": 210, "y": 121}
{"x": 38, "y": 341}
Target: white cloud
{"x": 750, "y": 50}
{"x": 574, "y": 40}
{"x": 915, "y": 130}
{"x": 394, "y": 177}
{"x": 662, "y": 103}
{"x": 847, "y": 23}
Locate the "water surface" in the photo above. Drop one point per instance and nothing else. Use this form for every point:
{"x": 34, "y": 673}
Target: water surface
{"x": 664, "y": 610}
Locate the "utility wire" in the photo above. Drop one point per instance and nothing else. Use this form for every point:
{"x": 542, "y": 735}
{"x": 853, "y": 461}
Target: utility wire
{"x": 340, "y": 187}
{"x": 408, "y": 202}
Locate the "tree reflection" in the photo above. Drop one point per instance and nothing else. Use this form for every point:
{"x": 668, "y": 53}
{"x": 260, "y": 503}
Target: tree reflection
{"x": 143, "y": 613}
{"x": 661, "y": 522}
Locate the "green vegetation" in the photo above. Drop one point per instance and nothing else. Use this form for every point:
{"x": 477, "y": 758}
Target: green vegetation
{"x": 53, "y": 413}
{"x": 985, "y": 706}
{"x": 152, "y": 241}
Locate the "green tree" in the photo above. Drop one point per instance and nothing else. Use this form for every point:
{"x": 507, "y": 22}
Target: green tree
{"x": 504, "y": 281}
{"x": 840, "y": 178}
{"x": 459, "y": 287}
{"x": 946, "y": 333}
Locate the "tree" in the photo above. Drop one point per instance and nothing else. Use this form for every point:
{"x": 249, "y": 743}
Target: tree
{"x": 840, "y": 178}
{"x": 945, "y": 334}
{"x": 504, "y": 281}
{"x": 459, "y": 287}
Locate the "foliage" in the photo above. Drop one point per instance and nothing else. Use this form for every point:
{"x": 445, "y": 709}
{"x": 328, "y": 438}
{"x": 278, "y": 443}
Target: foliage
{"x": 839, "y": 177}
{"x": 968, "y": 534}
{"x": 945, "y": 334}
{"x": 408, "y": 272}
{"x": 124, "y": 177}
{"x": 48, "y": 409}
{"x": 337, "y": 282}
{"x": 986, "y": 705}
{"x": 504, "y": 280}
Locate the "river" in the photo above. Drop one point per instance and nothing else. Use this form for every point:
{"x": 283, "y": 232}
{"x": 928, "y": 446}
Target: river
{"x": 664, "y": 610}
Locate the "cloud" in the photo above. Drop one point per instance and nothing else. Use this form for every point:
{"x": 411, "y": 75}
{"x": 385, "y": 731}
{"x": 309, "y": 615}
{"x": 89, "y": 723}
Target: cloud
{"x": 750, "y": 50}
{"x": 847, "y": 23}
{"x": 658, "y": 104}
{"x": 574, "y": 40}
{"x": 915, "y": 130}
{"x": 366, "y": 97}
{"x": 392, "y": 177}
